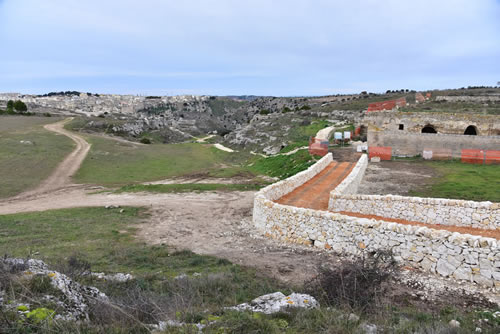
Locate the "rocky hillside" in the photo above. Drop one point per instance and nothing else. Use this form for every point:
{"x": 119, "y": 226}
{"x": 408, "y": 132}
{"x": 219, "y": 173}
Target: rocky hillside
{"x": 261, "y": 124}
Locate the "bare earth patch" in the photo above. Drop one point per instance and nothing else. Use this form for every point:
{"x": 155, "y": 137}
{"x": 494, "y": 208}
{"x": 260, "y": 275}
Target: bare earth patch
{"x": 395, "y": 178}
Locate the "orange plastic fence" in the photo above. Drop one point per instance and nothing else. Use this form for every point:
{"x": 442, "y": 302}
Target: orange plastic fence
{"x": 385, "y": 153}
{"x": 386, "y": 105}
{"x": 492, "y": 157}
{"x": 357, "y": 131}
{"x": 318, "y": 147}
{"x": 472, "y": 156}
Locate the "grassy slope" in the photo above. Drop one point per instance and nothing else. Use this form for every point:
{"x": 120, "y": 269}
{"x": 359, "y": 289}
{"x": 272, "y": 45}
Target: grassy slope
{"x": 105, "y": 238}
{"x": 23, "y": 166}
{"x": 463, "y": 181}
{"x": 455, "y": 107}
{"x": 115, "y": 163}
{"x": 283, "y": 166}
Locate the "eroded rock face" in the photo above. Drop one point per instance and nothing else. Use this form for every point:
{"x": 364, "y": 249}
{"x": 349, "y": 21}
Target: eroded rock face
{"x": 74, "y": 298}
{"x": 277, "y": 301}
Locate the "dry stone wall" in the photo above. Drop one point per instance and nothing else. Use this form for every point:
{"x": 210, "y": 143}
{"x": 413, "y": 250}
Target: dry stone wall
{"x": 351, "y": 183}
{"x": 483, "y": 215}
{"x": 459, "y": 256}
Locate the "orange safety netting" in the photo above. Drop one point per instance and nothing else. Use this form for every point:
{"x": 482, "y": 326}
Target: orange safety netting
{"x": 386, "y": 105}
{"x": 472, "y": 156}
{"x": 318, "y": 147}
{"x": 385, "y": 153}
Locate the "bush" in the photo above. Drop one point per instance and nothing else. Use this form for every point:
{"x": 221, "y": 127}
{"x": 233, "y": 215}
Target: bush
{"x": 145, "y": 140}
{"x": 20, "y": 106}
{"x": 354, "y": 284}
{"x": 264, "y": 112}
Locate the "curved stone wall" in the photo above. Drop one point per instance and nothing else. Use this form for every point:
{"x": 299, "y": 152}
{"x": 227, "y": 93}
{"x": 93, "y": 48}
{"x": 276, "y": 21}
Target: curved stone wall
{"x": 460, "y": 256}
{"x": 263, "y": 198}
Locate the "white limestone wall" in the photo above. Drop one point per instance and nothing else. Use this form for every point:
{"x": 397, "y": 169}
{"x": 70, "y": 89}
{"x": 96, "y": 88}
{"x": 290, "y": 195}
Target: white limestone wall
{"x": 351, "y": 183}
{"x": 483, "y": 215}
{"x": 460, "y": 256}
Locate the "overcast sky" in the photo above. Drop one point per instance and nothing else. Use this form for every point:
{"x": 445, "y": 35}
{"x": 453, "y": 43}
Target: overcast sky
{"x": 261, "y": 47}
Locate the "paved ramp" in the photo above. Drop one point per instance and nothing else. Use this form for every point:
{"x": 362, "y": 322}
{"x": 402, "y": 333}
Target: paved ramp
{"x": 314, "y": 194}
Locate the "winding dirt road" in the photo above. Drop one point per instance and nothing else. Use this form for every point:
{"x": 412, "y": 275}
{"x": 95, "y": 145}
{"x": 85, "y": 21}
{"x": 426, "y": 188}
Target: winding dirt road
{"x": 61, "y": 176}
{"x": 211, "y": 223}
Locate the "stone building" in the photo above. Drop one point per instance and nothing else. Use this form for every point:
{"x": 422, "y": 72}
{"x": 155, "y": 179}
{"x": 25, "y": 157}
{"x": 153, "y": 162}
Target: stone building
{"x": 409, "y": 134}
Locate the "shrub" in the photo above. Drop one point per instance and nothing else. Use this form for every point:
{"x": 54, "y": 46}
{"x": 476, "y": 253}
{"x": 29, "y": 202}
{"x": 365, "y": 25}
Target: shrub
{"x": 286, "y": 109}
{"x": 145, "y": 140}
{"x": 264, "y": 112}
{"x": 20, "y": 106}
{"x": 355, "y": 284}
{"x": 75, "y": 266}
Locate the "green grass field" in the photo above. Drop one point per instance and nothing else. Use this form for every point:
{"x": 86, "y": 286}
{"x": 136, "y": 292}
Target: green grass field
{"x": 113, "y": 163}
{"x": 25, "y": 165}
{"x": 283, "y": 166}
{"x": 463, "y": 181}
{"x": 104, "y": 237}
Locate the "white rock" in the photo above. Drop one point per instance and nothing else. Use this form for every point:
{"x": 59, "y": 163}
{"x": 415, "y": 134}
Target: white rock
{"x": 444, "y": 268}
{"x": 276, "y": 302}
{"x": 353, "y": 317}
{"x": 368, "y": 328}
{"x": 454, "y": 324}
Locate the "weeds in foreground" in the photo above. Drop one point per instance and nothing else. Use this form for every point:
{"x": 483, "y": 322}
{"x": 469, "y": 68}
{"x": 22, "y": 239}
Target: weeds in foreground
{"x": 354, "y": 284}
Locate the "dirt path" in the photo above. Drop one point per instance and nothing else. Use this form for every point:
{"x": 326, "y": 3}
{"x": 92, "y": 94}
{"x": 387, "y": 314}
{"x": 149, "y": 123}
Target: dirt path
{"x": 211, "y": 223}
{"x": 214, "y": 223}
{"x": 61, "y": 176}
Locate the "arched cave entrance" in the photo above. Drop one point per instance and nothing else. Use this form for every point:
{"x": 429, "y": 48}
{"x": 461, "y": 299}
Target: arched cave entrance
{"x": 429, "y": 129}
{"x": 471, "y": 130}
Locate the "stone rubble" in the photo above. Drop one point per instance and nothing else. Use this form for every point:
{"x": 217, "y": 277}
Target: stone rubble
{"x": 278, "y": 302}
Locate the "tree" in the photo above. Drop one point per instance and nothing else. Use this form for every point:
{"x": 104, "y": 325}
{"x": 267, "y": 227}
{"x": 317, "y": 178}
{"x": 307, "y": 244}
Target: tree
{"x": 10, "y": 105}
{"x": 20, "y": 106}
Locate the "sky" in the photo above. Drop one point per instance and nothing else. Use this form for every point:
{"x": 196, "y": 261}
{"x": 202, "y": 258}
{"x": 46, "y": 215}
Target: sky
{"x": 247, "y": 47}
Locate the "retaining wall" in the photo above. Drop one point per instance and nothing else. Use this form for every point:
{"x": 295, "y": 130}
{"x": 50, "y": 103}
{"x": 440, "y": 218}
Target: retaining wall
{"x": 483, "y": 215}
{"x": 461, "y": 256}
